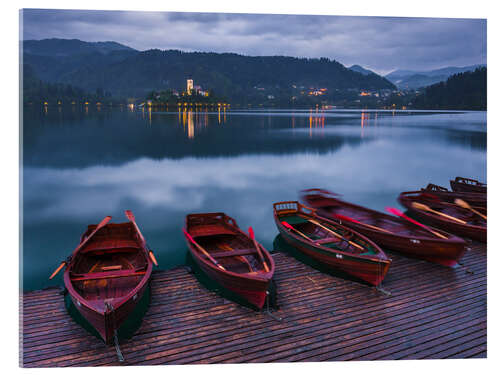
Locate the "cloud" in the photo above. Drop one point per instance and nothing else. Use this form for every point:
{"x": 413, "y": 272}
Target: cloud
{"x": 379, "y": 43}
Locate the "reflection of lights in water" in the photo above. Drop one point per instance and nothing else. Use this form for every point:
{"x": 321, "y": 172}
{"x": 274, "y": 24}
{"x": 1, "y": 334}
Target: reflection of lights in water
{"x": 190, "y": 125}
{"x": 149, "y": 115}
{"x": 365, "y": 117}
{"x": 184, "y": 118}
{"x": 196, "y": 118}
{"x": 310, "y": 123}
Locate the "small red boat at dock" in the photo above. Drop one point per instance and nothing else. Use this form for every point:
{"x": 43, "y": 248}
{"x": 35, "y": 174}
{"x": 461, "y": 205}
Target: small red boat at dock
{"x": 229, "y": 256}
{"x": 387, "y": 231}
{"x": 333, "y": 245}
{"x": 107, "y": 274}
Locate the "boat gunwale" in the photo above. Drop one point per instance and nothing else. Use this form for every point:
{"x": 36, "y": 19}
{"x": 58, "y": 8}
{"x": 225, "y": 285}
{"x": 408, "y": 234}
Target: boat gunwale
{"x": 405, "y": 197}
{"x": 119, "y": 301}
{"x": 328, "y": 250}
{"x": 451, "y": 238}
{"x": 261, "y": 276}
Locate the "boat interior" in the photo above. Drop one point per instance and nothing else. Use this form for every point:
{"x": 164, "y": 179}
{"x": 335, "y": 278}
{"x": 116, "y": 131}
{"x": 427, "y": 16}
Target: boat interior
{"x": 110, "y": 265}
{"x": 390, "y": 223}
{"x": 324, "y": 234}
{"x": 468, "y": 181}
{"x": 234, "y": 251}
{"x": 453, "y": 210}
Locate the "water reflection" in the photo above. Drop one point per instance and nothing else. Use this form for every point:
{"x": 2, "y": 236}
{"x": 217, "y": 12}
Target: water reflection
{"x": 83, "y": 165}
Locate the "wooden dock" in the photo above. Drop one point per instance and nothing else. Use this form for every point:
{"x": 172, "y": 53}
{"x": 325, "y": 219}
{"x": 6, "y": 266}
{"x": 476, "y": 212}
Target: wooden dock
{"x": 432, "y": 312}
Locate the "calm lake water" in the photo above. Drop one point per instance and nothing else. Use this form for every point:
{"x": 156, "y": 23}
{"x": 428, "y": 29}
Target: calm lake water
{"x": 79, "y": 166}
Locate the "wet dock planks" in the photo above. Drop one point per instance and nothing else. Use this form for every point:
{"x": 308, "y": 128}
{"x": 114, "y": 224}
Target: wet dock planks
{"x": 432, "y": 312}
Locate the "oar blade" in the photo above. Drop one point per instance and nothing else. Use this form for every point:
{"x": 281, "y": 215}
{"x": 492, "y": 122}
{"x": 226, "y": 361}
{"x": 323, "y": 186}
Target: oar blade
{"x": 103, "y": 222}
{"x": 394, "y": 211}
{"x": 251, "y": 233}
{"x": 153, "y": 258}
{"x": 130, "y": 215}
{"x": 63, "y": 263}
{"x": 345, "y": 218}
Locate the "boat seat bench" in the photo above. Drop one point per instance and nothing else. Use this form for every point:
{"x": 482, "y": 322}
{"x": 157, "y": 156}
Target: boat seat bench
{"x": 106, "y": 275}
{"x": 326, "y": 240}
{"x": 239, "y": 252}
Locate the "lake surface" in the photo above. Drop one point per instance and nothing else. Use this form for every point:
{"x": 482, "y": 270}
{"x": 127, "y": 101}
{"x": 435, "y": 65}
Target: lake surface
{"x": 81, "y": 165}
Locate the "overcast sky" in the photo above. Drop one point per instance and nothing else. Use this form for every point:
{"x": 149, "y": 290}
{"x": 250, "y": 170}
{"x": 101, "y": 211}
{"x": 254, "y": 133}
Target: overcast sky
{"x": 378, "y": 43}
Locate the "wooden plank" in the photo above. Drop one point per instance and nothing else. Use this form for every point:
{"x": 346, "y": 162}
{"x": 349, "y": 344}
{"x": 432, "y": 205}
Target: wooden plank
{"x": 325, "y": 318}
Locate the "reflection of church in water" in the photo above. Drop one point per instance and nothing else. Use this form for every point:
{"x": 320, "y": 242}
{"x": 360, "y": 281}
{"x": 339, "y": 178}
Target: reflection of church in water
{"x": 198, "y": 119}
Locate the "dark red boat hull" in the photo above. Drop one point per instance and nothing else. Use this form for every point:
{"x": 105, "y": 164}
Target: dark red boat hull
{"x": 446, "y": 252}
{"x": 369, "y": 271}
{"x": 463, "y": 187}
{"x": 105, "y": 321}
{"x": 252, "y": 291}
{"x": 250, "y": 286}
{"x": 443, "y": 194}
{"x": 474, "y": 232}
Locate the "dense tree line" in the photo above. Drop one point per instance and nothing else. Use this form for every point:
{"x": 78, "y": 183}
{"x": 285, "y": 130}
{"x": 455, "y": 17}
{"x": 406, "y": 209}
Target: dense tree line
{"x": 460, "y": 91}
{"x": 36, "y": 91}
{"x": 131, "y": 73}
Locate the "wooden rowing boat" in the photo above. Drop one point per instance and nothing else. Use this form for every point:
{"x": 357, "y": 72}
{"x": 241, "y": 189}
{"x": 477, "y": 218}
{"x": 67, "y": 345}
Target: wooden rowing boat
{"x": 447, "y": 216}
{"x": 467, "y": 185}
{"x": 229, "y": 256}
{"x": 107, "y": 275}
{"x": 389, "y": 232}
{"x": 330, "y": 243}
{"x": 473, "y": 198}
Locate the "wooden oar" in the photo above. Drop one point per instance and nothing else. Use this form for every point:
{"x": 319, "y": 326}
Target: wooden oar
{"x": 423, "y": 207}
{"x": 336, "y": 234}
{"x": 464, "y": 204}
{"x": 131, "y": 217}
{"x": 347, "y": 218}
{"x": 286, "y": 225}
{"x": 65, "y": 262}
{"x": 257, "y": 246}
{"x": 396, "y": 212}
{"x": 191, "y": 239}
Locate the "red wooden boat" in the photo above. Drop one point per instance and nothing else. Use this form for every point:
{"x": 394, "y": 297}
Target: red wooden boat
{"x": 473, "y": 198}
{"x": 447, "y": 216}
{"x": 330, "y": 243}
{"x": 107, "y": 274}
{"x": 229, "y": 256}
{"x": 467, "y": 184}
{"x": 389, "y": 232}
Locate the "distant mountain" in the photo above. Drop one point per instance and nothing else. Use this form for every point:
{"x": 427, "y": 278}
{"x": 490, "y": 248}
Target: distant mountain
{"x": 66, "y": 47}
{"x": 124, "y": 71}
{"x": 417, "y": 79}
{"x": 360, "y": 69}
